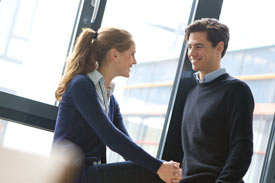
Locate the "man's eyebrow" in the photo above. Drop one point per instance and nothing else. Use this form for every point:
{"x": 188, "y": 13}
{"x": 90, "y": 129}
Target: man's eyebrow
{"x": 196, "y": 44}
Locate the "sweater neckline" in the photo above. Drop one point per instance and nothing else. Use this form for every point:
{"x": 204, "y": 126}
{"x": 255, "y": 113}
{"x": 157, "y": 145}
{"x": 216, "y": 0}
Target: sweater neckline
{"x": 215, "y": 81}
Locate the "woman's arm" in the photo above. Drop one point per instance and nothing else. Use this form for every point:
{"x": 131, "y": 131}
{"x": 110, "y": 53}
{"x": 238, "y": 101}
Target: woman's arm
{"x": 118, "y": 120}
{"x": 83, "y": 95}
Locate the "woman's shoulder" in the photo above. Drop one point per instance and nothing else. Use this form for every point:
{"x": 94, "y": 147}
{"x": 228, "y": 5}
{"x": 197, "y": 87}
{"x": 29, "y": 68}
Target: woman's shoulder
{"x": 80, "y": 81}
{"x": 80, "y": 78}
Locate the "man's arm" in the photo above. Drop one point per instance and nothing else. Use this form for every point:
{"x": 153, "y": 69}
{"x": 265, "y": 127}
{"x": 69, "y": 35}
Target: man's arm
{"x": 240, "y": 104}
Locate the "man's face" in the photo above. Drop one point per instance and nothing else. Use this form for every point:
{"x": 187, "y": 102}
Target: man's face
{"x": 204, "y": 57}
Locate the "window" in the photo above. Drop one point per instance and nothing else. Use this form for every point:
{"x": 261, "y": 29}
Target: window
{"x": 250, "y": 57}
{"x": 158, "y": 30}
{"x": 34, "y": 41}
{"x": 25, "y": 138}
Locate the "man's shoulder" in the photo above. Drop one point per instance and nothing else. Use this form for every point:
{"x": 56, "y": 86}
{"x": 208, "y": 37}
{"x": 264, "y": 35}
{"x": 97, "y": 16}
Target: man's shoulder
{"x": 235, "y": 82}
{"x": 237, "y": 88}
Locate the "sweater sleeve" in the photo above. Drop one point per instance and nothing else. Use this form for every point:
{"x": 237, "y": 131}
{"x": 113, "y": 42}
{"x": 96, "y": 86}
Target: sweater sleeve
{"x": 118, "y": 120}
{"x": 240, "y": 104}
{"x": 83, "y": 95}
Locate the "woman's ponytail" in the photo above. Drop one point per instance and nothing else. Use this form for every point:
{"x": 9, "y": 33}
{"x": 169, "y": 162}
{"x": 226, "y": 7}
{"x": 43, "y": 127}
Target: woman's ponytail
{"x": 81, "y": 61}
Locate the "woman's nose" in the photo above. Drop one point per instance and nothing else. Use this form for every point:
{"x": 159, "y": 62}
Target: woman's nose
{"x": 134, "y": 61}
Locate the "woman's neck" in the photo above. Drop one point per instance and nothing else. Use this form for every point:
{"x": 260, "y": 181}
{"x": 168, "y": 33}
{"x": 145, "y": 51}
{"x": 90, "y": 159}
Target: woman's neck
{"x": 107, "y": 74}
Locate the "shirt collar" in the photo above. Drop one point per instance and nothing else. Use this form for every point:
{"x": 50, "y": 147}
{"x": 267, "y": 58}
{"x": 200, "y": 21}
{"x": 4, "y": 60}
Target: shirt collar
{"x": 97, "y": 77}
{"x": 210, "y": 76}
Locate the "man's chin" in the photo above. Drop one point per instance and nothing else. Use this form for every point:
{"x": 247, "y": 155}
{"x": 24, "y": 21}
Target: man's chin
{"x": 195, "y": 69}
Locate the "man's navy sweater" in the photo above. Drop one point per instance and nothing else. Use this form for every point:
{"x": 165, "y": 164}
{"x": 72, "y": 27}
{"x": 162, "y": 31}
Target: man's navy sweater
{"x": 82, "y": 121}
{"x": 217, "y": 136}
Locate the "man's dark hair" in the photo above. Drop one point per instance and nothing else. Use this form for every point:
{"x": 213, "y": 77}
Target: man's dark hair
{"x": 216, "y": 31}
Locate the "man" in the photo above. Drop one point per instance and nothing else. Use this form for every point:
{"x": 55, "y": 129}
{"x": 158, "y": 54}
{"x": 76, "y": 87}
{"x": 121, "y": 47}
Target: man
{"x": 217, "y": 136}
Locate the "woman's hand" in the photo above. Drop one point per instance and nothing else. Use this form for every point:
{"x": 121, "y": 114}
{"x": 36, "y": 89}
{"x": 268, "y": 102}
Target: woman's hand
{"x": 170, "y": 172}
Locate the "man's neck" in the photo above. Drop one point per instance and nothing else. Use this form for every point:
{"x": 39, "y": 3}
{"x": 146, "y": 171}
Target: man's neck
{"x": 202, "y": 74}
{"x": 210, "y": 76}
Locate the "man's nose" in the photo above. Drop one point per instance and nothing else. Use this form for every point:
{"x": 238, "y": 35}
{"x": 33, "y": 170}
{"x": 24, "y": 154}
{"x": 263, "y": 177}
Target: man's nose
{"x": 191, "y": 52}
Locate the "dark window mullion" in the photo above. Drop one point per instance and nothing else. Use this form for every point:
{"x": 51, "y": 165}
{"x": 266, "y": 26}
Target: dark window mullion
{"x": 86, "y": 16}
{"x": 28, "y": 112}
{"x": 268, "y": 170}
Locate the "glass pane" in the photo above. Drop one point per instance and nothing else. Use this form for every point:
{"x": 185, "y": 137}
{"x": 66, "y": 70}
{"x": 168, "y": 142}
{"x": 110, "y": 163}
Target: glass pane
{"x": 34, "y": 39}
{"x": 158, "y": 30}
{"x": 251, "y": 57}
{"x": 25, "y": 138}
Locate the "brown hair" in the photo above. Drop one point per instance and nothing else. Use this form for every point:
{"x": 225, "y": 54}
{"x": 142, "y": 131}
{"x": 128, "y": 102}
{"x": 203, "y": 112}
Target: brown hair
{"x": 216, "y": 31}
{"x": 90, "y": 50}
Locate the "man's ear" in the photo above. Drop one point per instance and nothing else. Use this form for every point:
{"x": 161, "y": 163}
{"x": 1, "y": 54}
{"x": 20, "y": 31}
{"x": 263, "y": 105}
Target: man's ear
{"x": 220, "y": 47}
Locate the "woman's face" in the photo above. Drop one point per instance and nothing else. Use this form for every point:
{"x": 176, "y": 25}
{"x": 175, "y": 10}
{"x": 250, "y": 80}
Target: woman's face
{"x": 125, "y": 60}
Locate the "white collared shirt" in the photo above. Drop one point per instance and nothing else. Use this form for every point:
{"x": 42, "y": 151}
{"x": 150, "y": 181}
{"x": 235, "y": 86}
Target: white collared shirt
{"x": 210, "y": 76}
{"x": 102, "y": 94}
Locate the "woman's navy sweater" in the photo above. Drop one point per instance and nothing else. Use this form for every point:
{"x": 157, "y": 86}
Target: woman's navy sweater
{"x": 82, "y": 121}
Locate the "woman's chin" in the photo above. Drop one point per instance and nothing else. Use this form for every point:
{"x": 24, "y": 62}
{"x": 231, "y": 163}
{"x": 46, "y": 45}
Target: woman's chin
{"x": 127, "y": 75}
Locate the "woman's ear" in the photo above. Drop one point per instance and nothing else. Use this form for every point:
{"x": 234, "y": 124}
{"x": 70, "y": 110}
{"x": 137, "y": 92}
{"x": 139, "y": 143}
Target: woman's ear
{"x": 113, "y": 54}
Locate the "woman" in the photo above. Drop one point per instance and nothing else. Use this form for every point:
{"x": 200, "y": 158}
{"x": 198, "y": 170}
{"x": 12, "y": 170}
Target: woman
{"x": 89, "y": 115}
